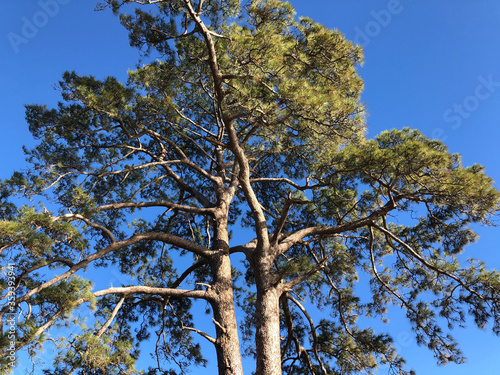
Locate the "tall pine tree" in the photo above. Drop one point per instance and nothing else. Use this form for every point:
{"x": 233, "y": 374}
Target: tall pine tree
{"x": 243, "y": 119}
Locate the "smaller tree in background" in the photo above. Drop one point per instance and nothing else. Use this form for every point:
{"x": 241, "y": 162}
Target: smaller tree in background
{"x": 246, "y": 120}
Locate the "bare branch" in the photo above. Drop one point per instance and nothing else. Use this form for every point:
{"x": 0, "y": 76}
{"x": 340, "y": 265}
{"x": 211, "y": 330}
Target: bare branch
{"x": 201, "y": 333}
{"x": 180, "y": 207}
{"x": 112, "y": 316}
{"x": 287, "y": 181}
{"x": 165, "y": 292}
{"x": 312, "y": 329}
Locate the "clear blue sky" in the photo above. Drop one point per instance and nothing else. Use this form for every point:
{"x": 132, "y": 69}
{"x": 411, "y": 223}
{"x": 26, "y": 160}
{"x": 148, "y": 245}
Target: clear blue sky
{"x": 432, "y": 65}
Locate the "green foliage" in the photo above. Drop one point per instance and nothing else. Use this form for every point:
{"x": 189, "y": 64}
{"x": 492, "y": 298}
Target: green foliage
{"x": 94, "y": 354}
{"x": 39, "y": 233}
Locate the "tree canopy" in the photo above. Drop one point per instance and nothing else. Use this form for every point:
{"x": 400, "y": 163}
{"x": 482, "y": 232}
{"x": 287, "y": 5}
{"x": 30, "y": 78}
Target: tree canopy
{"x": 240, "y": 118}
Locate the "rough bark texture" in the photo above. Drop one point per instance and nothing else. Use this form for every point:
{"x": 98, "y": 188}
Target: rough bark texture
{"x": 227, "y": 344}
{"x": 268, "y": 332}
{"x": 267, "y": 315}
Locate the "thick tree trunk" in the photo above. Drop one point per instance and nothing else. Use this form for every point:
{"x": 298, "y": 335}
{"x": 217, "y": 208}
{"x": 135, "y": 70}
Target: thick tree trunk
{"x": 227, "y": 345}
{"x": 267, "y": 335}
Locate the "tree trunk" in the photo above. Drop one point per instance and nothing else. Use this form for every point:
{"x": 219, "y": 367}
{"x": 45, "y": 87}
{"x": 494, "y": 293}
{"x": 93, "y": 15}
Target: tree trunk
{"x": 267, "y": 335}
{"x": 227, "y": 345}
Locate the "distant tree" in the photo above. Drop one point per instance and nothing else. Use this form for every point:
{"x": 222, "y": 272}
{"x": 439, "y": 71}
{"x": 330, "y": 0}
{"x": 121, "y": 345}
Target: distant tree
{"x": 245, "y": 120}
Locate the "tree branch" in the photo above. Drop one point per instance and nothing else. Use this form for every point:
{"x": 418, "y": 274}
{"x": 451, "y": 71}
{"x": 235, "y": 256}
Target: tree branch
{"x": 180, "y": 207}
{"x": 112, "y": 316}
{"x": 163, "y": 237}
{"x": 293, "y": 238}
{"x": 422, "y": 260}
{"x": 90, "y": 223}
{"x": 312, "y": 329}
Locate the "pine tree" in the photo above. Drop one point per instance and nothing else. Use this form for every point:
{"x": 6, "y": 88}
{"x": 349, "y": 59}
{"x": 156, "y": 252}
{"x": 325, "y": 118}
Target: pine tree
{"x": 243, "y": 118}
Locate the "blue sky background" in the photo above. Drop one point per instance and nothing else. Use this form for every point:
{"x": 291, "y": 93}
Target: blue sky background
{"x": 432, "y": 65}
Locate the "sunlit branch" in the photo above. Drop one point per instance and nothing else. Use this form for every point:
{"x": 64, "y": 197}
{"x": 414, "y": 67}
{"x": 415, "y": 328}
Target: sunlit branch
{"x": 196, "y": 125}
{"x": 307, "y": 186}
{"x": 41, "y": 264}
{"x": 111, "y": 317}
{"x": 175, "y": 206}
{"x": 297, "y": 236}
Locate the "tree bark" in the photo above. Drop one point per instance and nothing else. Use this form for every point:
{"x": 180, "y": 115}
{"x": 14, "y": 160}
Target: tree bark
{"x": 267, "y": 316}
{"x": 227, "y": 341}
{"x": 267, "y": 334}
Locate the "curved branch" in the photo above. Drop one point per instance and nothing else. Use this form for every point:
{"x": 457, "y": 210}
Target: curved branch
{"x": 178, "y": 242}
{"x": 246, "y": 249}
{"x": 187, "y": 272}
{"x": 428, "y": 265}
{"x": 65, "y": 261}
{"x": 102, "y": 228}
{"x": 124, "y": 292}
{"x": 313, "y": 331}
{"x": 201, "y": 333}
{"x": 307, "y": 186}
{"x": 165, "y": 292}
{"x": 293, "y": 238}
